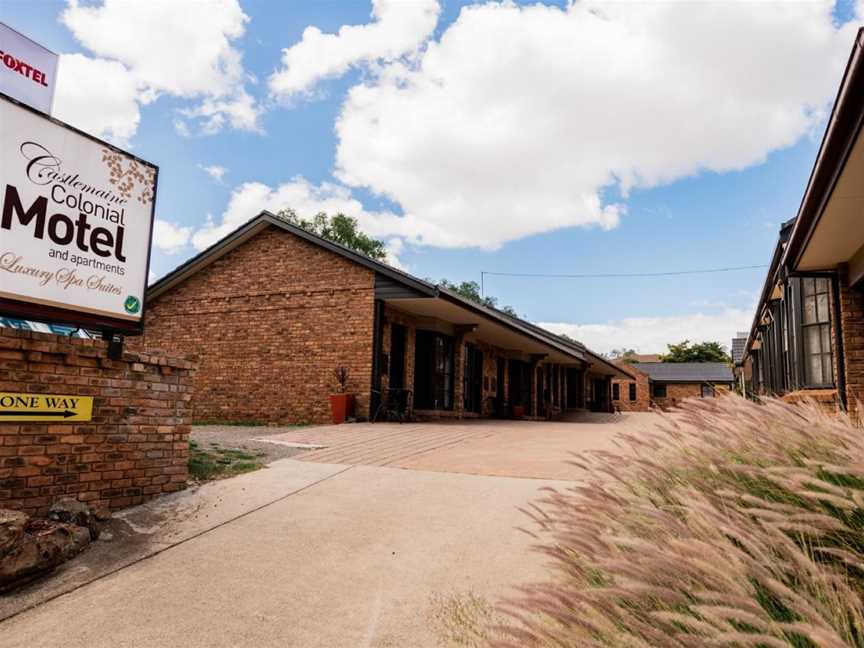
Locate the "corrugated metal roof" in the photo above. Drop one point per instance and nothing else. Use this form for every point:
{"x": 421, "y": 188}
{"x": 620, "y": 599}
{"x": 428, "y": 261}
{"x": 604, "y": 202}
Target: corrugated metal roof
{"x": 687, "y": 371}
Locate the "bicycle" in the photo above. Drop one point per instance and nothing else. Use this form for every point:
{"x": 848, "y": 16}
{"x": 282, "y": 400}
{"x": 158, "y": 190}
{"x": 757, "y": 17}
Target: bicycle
{"x": 396, "y": 405}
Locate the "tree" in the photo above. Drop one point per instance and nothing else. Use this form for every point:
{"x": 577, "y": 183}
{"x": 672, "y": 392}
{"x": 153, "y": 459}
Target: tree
{"x": 701, "y": 352}
{"x": 340, "y": 229}
{"x": 471, "y": 290}
{"x": 624, "y": 355}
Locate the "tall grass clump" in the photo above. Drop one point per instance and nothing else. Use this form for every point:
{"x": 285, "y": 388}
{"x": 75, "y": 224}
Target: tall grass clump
{"x": 731, "y": 524}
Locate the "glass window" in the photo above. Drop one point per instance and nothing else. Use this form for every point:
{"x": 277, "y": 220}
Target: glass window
{"x": 816, "y": 332}
{"x": 659, "y": 390}
{"x": 433, "y": 372}
{"x": 616, "y": 391}
{"x": 632, "y": 391}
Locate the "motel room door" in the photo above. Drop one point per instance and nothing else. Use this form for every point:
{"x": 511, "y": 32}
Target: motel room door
{"x": 575, "y": 389}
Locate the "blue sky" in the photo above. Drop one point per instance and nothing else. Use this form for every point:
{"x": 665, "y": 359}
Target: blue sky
{"x": 478, "y": 136}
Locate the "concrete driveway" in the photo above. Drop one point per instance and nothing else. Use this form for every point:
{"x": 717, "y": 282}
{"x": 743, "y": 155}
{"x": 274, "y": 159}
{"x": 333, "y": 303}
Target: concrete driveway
{"x": 306, "y": 553}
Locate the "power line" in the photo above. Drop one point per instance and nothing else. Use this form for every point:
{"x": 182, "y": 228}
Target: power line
{"x": 614, "y": 275}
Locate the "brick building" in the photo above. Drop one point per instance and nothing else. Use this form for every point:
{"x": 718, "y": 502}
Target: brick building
{"x": 664, "y": 384}
{"x": 271, "y": 311}
{"x": 807, "y": 337}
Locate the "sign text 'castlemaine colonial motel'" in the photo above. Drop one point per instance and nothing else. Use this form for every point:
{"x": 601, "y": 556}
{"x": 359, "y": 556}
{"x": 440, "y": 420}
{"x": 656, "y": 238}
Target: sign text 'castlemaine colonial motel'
{"x": 76, "y": 219}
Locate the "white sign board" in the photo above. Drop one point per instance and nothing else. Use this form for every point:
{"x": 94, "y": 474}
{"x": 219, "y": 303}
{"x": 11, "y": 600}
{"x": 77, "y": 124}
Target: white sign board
{"x": 28, "y": 71}
{"x": 76, "y": 220}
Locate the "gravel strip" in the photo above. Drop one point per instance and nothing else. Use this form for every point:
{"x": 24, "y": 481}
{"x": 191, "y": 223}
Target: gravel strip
{"x": 235, "y": 436}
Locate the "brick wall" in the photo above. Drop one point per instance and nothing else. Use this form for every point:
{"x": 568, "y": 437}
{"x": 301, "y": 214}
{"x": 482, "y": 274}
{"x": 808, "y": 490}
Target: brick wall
{"x": 270, "y": 322}
{"x": 676, "y": 392}
{"x": 852, "y": 330}
{"x": 136, "y": 445}
{"x": 643, "y": 392}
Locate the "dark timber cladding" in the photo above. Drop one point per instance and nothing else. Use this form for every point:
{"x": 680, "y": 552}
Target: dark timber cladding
{"x": 281, "y": 334}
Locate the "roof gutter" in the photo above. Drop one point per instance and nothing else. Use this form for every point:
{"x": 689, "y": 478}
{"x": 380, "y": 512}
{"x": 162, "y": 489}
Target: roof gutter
{"x": 514, "y": 324}
{"x": 841, "y": 133}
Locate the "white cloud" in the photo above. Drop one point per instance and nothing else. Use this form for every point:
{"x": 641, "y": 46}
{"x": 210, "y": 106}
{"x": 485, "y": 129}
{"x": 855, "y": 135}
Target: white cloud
{"x": 518, "y": 119}
{"x": 306, "y": 199}
{"x": 170, "y": 237}
{"x": 181, "y": 49}
{"x": 215, "y": 171}
{"x": 115, "y": 115}
{"x": 652, "y": 334}
{"x": 399, "y": 27}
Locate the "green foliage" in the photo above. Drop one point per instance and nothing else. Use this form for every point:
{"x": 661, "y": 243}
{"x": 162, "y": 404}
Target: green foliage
{"x": 624, "y": 355}
{"x": 206, "y": 464}
{"x": 340, "y": 229}
{"x": 471, "y": 290}
{"x": 701, "y": 352}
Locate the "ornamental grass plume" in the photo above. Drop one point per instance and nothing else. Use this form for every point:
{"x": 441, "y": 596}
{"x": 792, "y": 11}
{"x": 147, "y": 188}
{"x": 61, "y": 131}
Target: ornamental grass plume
{"x": 732, "y": 524}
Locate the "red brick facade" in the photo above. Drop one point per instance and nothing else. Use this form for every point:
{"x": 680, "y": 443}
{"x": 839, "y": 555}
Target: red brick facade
{"x": 676, "y": 392}
{"x": 645, "y": 393}
{"x": 275, "y": 311}
{"x": 136, "y": 445}
{"x": 642, "y": 402}
{"x": 271, "y": 320}
{"x": 852, "y": 331}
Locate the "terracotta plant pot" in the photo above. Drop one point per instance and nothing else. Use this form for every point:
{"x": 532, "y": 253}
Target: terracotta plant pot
{"x": 518, "y": 411}
{"x": 341, "y": 407}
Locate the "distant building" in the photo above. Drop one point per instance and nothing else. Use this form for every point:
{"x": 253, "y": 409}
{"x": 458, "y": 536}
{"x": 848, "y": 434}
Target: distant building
{"x": 273, "y": 311}
{"x": 664, "y": 384}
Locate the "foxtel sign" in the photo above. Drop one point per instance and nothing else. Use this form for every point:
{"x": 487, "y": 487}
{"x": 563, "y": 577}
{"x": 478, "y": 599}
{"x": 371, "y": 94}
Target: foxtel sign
{"x": 76, "y": 218}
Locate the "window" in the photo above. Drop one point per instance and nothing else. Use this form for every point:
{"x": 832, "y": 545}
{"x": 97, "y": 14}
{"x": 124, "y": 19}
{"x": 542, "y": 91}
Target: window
{"x": 658, "y": 390}
{"x": 616, "y": 391}
{"x": 816, "y": 332}
{"x": 632, "y": 394}
{"x": 433, "y": 373}
{"x": 707, "y": 391}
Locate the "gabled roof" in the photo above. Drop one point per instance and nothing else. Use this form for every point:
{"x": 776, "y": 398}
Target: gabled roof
{"x": 687, "y": 372}
{"x": 262, "y": 221}
{"x": 425, "y": 289}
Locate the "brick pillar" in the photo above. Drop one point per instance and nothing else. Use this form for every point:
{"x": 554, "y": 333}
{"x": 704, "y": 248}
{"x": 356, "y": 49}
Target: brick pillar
{"x": 852, "y": 333}
{"x": 459, "y": 374}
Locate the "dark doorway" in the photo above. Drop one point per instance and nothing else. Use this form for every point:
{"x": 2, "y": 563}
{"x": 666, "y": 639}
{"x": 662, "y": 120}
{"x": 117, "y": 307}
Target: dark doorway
{"x": 601, "y": 395}
{"x": 472, "y": 379}
{"x": 575, "y": 392}
{"x": 398, "y": 335}
{"x": 519, "y": 379}
{"x": 542, "y": 392}
{"x": 433, "y": 371}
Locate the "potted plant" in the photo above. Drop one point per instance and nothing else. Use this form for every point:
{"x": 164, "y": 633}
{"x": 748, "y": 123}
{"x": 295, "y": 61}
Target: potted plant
{"x": 341, "y": 403}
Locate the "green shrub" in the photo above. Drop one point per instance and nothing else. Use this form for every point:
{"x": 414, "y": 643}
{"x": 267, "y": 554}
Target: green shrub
{"x": 734, "y": 524}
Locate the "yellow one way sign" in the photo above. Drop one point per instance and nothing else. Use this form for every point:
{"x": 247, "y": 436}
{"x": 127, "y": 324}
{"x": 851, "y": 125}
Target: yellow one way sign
{"x": 44, "y": 408}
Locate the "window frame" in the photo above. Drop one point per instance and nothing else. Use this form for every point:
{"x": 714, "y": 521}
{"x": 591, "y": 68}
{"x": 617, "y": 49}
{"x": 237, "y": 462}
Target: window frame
{"x": 658, "y": 390}
{"x": 631, "y": 391}
{"x": 824, "y": 326}
{"x": 616, "y": 391}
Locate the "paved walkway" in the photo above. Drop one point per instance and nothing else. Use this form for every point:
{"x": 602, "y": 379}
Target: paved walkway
{"x": 315, "y": 553}
{"x": 356, "y": 558}
{"x": 538, "y": 449}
